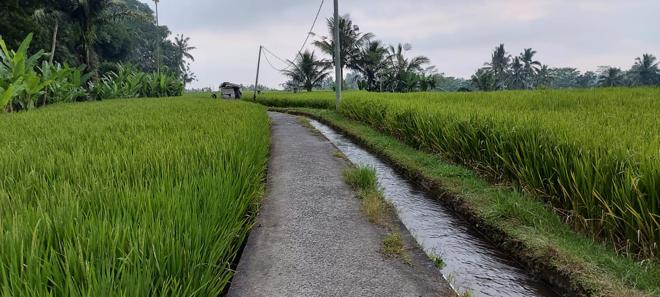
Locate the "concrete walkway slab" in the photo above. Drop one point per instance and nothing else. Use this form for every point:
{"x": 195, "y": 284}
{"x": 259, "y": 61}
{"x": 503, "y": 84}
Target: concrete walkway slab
{"x": 311, "y": 238}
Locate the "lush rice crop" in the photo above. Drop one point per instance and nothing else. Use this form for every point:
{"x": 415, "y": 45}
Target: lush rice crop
{"x": 283, "y": 99}
{"x": 595, "y": 154}
{"x": 142, "y": 197}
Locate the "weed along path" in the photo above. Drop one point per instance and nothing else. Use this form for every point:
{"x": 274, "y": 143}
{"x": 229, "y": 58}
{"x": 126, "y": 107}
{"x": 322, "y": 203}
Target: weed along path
{"x": 311, "y": 238}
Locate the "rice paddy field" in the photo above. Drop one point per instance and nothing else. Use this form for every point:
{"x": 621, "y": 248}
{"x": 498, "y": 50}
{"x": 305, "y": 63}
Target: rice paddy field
{"x": 593, "y": 154}
{"x": 140, "y": 197}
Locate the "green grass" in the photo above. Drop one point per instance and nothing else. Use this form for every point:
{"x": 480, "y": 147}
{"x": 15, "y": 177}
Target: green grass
{"x": 378, "y": 211}
{"x": 393, "y": 245}
{"x": 140, "y": 197}
{"x": 521, "y": 216}
{"x": 362, "y": 178}
{"x": 594, "y": 154}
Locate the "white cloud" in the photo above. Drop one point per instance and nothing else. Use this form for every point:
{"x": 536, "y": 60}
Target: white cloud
{"x": 457, "y": 35}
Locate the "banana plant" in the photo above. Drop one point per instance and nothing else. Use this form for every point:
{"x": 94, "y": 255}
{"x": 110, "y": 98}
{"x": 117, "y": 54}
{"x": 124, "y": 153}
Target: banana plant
{"x": 66, "y": 83}
{"x": 19, "y": 81}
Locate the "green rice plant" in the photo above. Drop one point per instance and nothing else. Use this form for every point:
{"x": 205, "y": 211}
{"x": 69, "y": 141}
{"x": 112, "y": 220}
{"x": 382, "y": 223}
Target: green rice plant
{"x": 146, "y": 197}
{"x": 319, "y": 99}
{"x": 593, "y": 154}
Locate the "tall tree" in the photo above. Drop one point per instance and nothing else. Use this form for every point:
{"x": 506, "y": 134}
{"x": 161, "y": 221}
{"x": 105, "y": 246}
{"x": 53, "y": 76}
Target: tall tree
{"x": 518, "y": 79}
{"x": 543, "y": 77}
{"x": 645, "y": 71}
{"x": 88, "y": 15}
{"x": 484, "y": 80}
{"x": 52, "y": 15}
{"x": 182, "y": 54}
{"x": 371, "y": 61}
{"x": 158, "y": 43}
{"x": 565, "y": 77}
{"x": 351, "y": 40}
{"x": 307, "y": 72}
{"x": 530, "y": 67}
{"x": 611, "y": 77}
{"x": 499, "y": 64}
{"x": 404, "y": 71}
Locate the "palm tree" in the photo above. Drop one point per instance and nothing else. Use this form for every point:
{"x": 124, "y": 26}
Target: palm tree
{"x": 499, "y": 64}
{"x": 518, "y": 79}
{"x": 307, "y": 71}
{"x": 404, "y": 71}
{"x": 611, "y": 77}
{"x": 351, "y": 40}
{"x": 484, "y": 79}
{"x": 543, "y": 76}
{"x": 158, "y": 43}
{"x": 371, "y": 61}
{"x": 530, "y": 66}
{"x": 182, "y": 50}
{"x": 187, "y": 75}
{"x": 645, "y": 71}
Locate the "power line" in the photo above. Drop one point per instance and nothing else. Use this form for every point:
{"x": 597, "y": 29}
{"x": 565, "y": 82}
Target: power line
{"x": 289, "y": 63}
{"x": 311, "y": 30}
{"x": 309, "y": 34}
{"x": 286, "y": 62}
{"x": 271, "y": 64}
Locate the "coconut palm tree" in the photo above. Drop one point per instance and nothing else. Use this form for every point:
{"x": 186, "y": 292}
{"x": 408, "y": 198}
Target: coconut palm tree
{"x": 611, "y": 77}
{"x": 530, "y": 66}
{"x": 404, "y": 71}
{"x": 543, "y": 76}
{"x": 351, "y": 40}
{"x": 158, "y": 43}
{"x": 518, "y": 78}
{"x": 307, "y": 71}
{"x": 645, "y": 71}
{"x": 499, "y": 64}
{"x": 182, "y": 49}
{"x": 484, "y": 80}
{"x": 371, "y": 61}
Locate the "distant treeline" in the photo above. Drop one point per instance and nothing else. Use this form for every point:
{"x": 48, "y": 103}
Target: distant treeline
{"x": 76, "y": 50}
{"x": 378, "y": 67}
{"x": 99, "y": 34}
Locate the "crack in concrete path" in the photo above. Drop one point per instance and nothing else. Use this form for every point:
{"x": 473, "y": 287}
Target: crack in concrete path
{"x": 311, "y": 238}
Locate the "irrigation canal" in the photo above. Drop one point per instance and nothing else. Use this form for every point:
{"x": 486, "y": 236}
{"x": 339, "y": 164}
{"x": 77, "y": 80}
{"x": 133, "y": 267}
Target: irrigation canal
{"x": 472, "y": 263}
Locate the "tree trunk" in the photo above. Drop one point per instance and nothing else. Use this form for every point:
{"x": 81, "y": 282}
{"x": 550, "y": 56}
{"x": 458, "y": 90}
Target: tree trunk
{"x": 54, "y": 44}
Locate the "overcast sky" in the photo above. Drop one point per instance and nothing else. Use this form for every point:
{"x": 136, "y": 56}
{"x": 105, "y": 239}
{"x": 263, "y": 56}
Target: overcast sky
{"x": 458, "y": 36}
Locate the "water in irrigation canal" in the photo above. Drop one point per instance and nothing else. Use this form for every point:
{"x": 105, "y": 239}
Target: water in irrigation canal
{"x": 472, "y": 264}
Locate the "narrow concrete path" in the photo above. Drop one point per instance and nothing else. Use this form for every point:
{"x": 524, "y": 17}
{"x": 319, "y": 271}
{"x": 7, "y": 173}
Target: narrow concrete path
{"x": 311, "y": 238}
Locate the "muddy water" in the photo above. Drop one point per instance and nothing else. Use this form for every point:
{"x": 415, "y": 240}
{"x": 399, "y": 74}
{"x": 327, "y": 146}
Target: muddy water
{"x": 472, "y": 264}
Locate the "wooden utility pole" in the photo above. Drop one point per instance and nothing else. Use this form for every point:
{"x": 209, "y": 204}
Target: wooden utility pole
{"x": 338, "y": 77}
{"x": 256, "y": 83}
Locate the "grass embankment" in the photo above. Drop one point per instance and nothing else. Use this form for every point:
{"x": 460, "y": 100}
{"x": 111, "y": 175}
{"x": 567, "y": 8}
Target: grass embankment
{"x": 377, "y": 209}
{"x": 519, "y": 222}
{"x": 140, "y": 197}
{"x": 592, "y": 153}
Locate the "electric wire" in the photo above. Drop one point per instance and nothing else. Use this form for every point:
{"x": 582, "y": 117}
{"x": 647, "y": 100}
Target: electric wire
{"x": 271, "y": 64}
{"x": 311, "y": 30}
{"x": 290, "y": 63}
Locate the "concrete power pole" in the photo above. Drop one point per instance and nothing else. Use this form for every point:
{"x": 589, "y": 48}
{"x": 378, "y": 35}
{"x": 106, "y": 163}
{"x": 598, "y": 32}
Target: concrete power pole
{"x": 338, "y": 77}
{"x": 256, "y": 83}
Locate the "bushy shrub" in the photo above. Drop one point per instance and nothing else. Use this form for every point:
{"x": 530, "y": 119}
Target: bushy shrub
{"x": 28, "y": 81}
